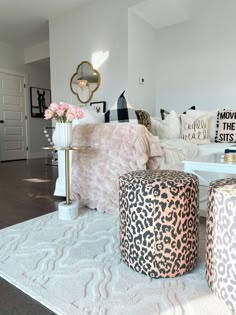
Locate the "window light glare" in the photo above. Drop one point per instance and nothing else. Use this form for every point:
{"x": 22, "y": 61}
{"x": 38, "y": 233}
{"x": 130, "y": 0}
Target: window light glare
{"x": 98, "y": 58}
{"x": 36, "y": 180}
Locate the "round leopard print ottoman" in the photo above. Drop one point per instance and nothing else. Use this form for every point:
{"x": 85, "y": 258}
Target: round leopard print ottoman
{"x": 221, "y": 240}
{"x": 159, "y": 222}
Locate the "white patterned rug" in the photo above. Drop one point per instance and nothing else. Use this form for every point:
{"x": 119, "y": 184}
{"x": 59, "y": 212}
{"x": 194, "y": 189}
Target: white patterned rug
{"x": 75, "y": 268}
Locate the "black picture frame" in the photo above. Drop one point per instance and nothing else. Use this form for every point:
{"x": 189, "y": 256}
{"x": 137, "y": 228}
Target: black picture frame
{"x": 99, "y": 107}
{"x": 40, "y": 100}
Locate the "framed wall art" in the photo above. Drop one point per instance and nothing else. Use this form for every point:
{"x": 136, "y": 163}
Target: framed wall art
{"x": 99, "y": 107}
{"x": 40, "y": 99}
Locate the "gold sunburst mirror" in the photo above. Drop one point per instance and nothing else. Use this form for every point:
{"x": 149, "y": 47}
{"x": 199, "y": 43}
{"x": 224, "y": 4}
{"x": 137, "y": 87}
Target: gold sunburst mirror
{"x": 85, "y": 81}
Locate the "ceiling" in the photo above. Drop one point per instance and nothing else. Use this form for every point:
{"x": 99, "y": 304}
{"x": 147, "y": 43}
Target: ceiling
{"x": 25, "y": 22}
{"x": 163, "y": 13}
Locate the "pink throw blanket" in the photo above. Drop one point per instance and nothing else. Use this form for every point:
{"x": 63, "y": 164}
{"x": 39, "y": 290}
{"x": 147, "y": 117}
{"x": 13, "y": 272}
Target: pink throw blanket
{"x": 115, "y": 149}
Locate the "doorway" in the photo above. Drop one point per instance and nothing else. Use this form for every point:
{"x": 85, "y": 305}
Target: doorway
{"x": 12, "y": 117}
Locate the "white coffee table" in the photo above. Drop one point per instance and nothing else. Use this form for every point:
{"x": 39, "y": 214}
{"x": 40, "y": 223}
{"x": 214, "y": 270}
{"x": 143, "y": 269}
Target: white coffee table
{"x": 212, "y": 163}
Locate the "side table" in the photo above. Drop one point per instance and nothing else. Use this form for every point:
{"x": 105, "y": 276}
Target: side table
{"x": 67, "y": 210}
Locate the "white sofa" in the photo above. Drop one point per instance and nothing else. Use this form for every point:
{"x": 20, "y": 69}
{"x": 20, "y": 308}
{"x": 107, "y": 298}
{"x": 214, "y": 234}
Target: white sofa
{"x": 169, "y": 133}
{"x": 177, "y": 149}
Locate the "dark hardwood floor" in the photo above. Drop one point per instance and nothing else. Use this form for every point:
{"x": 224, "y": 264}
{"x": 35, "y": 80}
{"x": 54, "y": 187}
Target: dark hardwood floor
{"x": 26, "y": 192}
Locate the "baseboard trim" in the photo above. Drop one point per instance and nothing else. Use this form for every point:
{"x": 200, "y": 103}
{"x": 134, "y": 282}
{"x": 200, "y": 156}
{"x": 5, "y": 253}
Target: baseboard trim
{"x": 36, "y": 155}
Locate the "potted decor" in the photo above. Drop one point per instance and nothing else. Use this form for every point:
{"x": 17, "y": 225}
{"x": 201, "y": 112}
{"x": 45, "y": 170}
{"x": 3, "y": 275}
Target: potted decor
{"x": 63, "y": 114}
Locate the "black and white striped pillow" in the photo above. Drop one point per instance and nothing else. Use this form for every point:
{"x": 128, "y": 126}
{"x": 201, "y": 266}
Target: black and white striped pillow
{"x": 121, "y": 112}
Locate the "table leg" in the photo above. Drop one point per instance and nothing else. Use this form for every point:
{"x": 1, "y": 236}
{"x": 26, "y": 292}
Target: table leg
{"x": 67, "y": 175}
{"x": 68, "y": 210}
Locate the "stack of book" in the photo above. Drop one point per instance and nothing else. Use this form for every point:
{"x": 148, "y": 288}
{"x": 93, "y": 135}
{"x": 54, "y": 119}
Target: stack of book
{"x": 230, "y": 154}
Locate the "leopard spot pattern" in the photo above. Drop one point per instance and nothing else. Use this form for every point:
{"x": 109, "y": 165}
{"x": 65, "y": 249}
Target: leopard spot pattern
{"x": 221, "y": 240}
{"x": 159, "y": 221}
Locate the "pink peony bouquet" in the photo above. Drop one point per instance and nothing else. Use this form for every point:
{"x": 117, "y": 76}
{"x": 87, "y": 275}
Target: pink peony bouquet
{"x": 63, "y": 112}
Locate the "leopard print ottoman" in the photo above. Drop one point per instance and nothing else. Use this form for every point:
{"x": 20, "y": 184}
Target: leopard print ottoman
{"x": 159, "y": 221}
{"x": 221, "y": 240}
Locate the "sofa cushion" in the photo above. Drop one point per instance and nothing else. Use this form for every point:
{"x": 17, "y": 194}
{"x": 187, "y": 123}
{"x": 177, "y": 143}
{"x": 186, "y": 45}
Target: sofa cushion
{"x": 121, "y": 112}
{"x": 226, "y": 126}
{"x": 211, "y": 120}
{"x": 168, "y": 128}
{"x": 195, "y": 130}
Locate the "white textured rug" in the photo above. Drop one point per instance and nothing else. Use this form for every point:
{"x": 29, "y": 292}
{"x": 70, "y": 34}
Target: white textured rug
{"x": 75, "y": 268}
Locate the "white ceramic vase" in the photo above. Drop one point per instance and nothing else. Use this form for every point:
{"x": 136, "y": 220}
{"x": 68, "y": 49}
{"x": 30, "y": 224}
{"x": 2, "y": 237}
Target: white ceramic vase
{"x": 62, "y": 135}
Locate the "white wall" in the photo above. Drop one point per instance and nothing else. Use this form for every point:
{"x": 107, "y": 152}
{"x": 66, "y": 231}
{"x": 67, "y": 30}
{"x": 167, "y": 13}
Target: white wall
{"x": 36, "y": 52}
{"x": 141, "y": 62}
{"x": 195, "y": 61}
{"x": 100, "y": 26}
{"x": 11, "y": 57}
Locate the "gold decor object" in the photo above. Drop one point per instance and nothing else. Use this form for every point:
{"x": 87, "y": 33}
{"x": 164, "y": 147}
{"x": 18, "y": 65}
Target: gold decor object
{"x": 85, "y": 81}
{"x": 230, "y": 157}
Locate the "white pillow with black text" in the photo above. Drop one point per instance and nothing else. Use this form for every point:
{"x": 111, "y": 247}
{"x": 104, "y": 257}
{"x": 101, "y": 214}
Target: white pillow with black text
{"x": 211, "y": 120}
{"x": 226, "y": 126}
{"x": 195, "y": 130}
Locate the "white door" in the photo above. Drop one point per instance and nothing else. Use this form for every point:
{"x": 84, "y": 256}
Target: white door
{"x": 12, "y": 118}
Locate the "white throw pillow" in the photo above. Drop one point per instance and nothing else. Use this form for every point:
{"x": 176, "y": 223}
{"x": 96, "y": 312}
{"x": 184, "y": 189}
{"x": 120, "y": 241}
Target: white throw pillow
{"x": 164, "y": 113}
{"x": 212, "y": 114}
{"x": 195, "y": 130}
{"x": 168, "y": 128}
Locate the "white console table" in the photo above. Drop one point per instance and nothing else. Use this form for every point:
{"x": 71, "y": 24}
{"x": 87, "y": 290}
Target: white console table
{"x": 213, "y": 163}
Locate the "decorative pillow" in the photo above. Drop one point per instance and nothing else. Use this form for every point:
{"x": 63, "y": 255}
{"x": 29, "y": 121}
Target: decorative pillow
{"x": 144, "y": 118}
{"x": 211, "y": 120}
{"x": 195, "y": 130}
{"x": 226, "y": 126}
{"x": 121, "y": 112}
{"x": 168, "y": 128}
{"x": 165, "y": 113}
